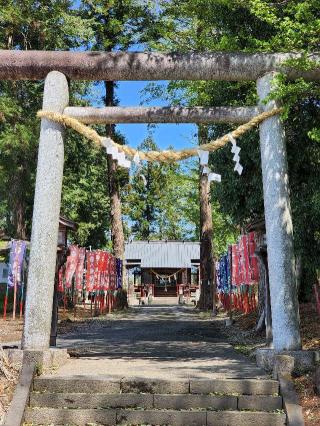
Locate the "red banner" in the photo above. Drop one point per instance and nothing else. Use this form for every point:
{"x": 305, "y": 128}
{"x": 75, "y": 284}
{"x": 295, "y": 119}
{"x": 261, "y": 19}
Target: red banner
{"x": 72, "y": 261}
{"x": 90, "y": 276}
{"x": 80, "y": 268}
{"x": 254, "y": 266}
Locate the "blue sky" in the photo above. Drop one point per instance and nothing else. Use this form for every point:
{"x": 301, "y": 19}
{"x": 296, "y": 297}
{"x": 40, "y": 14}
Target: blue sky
{"x": 177, "y": 135}
{"x": 129, "y": 94}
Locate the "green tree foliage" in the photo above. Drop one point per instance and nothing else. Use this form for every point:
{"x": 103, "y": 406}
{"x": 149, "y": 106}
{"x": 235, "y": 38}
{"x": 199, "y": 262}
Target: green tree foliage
{"x": 85, "y": 192}
{"x": 256, "y": 25}
{"x": 118, "y": 24}
{"x": 166, "y": 205}
{"x": 27, "y": 25}
{"x": 157, "y": 201}
{"x": 54, "y": 25}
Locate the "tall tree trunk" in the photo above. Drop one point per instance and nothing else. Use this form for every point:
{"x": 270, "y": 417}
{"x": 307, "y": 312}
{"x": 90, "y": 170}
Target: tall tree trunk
{"x": 117, "y": 235}
{"x": 207, "y": 285}
{"x": 19, "y": 220}
{"x": 18, "y": 204}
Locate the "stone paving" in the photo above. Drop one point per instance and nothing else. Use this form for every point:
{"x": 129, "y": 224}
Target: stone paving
{"x": 165, "y": 342}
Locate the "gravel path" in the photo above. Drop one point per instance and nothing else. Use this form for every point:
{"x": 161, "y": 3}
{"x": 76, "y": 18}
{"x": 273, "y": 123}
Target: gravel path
{"x": 158, "y": 342}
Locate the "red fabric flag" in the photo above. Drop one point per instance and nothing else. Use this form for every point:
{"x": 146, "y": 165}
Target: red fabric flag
{"x": 71, "y": 266}
{"x": 96, "y": 270}
{"x": 90, "y": 270}
{"x": 80, "y": 268}
{"x": 244, "y": 259}
{"x": 104, "y": 268}
{"x": 60, "y": 279}
{"x": 254, "y": 267}
{"x": 235, "y": 265}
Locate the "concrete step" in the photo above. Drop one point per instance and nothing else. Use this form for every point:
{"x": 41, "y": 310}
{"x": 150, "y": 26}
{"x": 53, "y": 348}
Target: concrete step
{"x": 109, "y": 385}
{"x": 165, "y": 300}
{"x": 65, "y": 416}
{"x": 157, "y": 401}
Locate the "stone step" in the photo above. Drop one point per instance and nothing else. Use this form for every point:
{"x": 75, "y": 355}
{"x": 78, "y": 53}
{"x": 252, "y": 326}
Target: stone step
{"x": 165, "y": 300}
{"x": 109, "y": 385}
{"x": 64, "y": 416}
{"x": 240, "y": 386}
{"x": 157, "y": 401}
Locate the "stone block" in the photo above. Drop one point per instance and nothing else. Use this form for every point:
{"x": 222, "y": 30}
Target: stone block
{"x": 185, "y": 402}
{"x": 283, "y": 365}
{"x": 291, "y": 402}
{"x": 47, "y": 359}
{"x": 58, "y": 357}
{"x": 303, "y": 360}
{"x": 259, "y": 402}
{"x": 15, "y": 356}
{"x": 265, "y": 358}
{"x": 230, "y": 386}
{"x": 82, "y": 384}
{"x": 93, "y": 400}
{"x": 236, "y": 418}
{"x": 139, "y": 385}
{"x": 15, "y": 413}
{"x": 64, "y": 416}
{"x": 161, "y": 417}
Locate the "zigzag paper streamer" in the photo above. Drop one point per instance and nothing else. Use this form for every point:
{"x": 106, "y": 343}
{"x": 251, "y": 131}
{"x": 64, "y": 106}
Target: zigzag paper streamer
{"x": 206, "y": 170}
{"x": 203, "y": 156}
{"x": 136, "y": 159}
{"x": 214, "y": 177}
{"x": 112, "y": 150}
{"x": 236, "y": 151}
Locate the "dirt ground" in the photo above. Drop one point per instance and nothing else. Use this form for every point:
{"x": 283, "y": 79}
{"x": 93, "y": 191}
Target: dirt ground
{"x": 10, "y": 331}
{"x": 8, "y": 380}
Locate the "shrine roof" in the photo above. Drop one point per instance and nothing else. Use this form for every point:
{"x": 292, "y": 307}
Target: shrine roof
{"x": 162, "y": 254}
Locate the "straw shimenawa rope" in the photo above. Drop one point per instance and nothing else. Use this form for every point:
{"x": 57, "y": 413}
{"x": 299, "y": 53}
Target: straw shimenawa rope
{"x": 167, "y": 156}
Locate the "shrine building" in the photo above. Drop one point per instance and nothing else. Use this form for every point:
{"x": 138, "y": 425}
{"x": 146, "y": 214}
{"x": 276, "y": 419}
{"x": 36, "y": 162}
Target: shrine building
{"x": 162, "y": 269}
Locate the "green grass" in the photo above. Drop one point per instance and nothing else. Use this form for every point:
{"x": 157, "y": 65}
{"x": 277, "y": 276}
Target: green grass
{"x": 244, "y": 349}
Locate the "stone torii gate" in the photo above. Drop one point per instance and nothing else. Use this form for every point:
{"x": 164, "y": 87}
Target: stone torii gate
{"x": 56, "y": 67}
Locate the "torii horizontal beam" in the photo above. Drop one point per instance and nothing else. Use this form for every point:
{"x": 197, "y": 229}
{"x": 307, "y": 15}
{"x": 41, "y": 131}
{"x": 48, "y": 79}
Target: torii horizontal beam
{"x": 114, "y": 115}
{"x": 35, "y": 65}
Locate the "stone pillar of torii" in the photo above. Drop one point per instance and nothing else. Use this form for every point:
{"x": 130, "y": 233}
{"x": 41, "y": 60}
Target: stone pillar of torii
{"x": 56, "y": 66}
{"x": 45, "y": 220}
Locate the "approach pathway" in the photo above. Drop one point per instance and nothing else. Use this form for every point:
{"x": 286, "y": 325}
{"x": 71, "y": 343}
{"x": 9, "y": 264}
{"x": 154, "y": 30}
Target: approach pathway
{"x": 167, "y": 342}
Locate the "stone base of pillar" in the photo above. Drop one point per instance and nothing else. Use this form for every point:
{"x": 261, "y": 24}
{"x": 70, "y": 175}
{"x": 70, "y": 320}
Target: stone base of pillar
{"x": 50, "y": 358}
{"x": 304, "y": 361}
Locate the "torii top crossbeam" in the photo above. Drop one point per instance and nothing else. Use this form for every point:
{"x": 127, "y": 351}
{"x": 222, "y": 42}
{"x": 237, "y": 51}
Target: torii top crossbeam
{"x": 35, "y": 65}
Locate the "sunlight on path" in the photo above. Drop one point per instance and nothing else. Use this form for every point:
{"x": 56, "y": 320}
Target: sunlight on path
{"x": 165, "y": 342}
